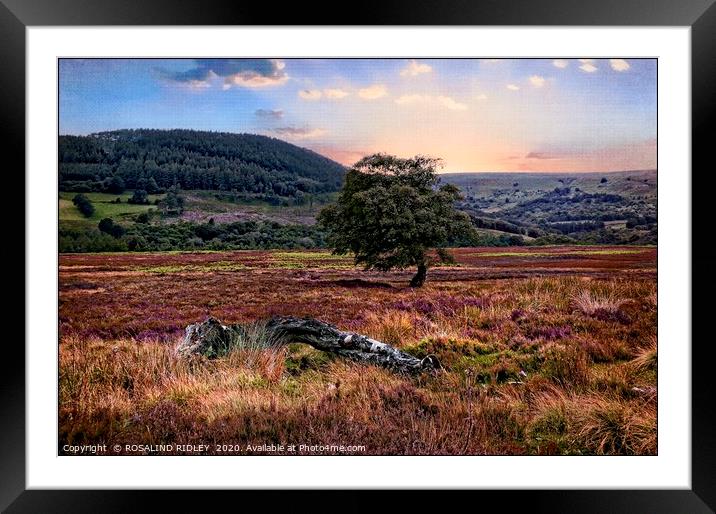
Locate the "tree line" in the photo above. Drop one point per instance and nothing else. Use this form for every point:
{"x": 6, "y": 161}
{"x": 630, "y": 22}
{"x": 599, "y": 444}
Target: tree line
{"x": 109, "y": 236}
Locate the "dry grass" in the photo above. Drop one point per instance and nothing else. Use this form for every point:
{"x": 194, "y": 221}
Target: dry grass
{"x": 392, "y": 327}
{"x": 534, "y": 364}
{"x": 612, "y": 427}
{"x": 646, "y": 356}
{"x": 592, "y": 304}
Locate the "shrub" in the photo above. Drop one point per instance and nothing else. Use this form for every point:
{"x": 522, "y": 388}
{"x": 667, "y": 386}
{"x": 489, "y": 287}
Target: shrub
{"x": 115, "y": 185}
{"x": 108, "y": 226}
{"x": 84, "y": 205}
{"x": 139, "y": 197}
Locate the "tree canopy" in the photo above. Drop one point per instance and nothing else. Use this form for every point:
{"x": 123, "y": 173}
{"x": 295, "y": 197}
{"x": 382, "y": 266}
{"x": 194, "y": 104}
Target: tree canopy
{"x": 392, "y": 211}
{"x": 155, "y": 160}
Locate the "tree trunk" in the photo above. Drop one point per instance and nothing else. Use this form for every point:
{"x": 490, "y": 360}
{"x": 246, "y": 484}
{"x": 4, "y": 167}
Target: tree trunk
{"x": 210, "y": 336}
{"x": 419, "y": 278}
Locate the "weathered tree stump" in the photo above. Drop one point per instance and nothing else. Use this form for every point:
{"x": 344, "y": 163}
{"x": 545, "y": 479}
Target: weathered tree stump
{"x": 211, "y": 338}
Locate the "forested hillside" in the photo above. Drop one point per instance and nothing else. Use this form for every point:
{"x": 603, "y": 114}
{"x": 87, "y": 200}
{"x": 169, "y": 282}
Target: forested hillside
{"x": 155, "y": 160}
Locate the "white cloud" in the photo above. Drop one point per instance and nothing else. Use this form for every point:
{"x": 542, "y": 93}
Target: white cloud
{"x": 513, "y": 87}
{"x": 373, "y": 92}
{"x": 444, "y": 101}
{"x": 310, "y": 94}
{"x": 586, "y": 61}
{"x": 560, "y": 63}
{"x": 198, "y": 85}
{"x": 619, "y": 64}
{"x": 254, "y": 80}
{"x": 259, "y": 78}
{"x": 588, "y": 67}
{"x": 415, "y": 68}
{"x": 537, "y": 81}
{"x": 451, "y": 104}
{"x": 299, "y": 133}
{"x": 481, "y": 96}
{"x": 335, "y": 93}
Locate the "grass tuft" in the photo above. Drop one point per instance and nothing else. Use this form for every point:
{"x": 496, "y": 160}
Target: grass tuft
{"x": 646, "y": 357}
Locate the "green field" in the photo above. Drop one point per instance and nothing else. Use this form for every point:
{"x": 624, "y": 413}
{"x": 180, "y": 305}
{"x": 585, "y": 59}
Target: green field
{"x": 103, "y": 207}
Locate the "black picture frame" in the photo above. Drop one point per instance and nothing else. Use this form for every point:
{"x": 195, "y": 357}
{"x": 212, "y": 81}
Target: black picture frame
{"x": 700, "y": 15}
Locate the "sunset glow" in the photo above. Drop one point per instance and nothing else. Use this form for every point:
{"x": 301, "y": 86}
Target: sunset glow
{"x": 556, "y": 114}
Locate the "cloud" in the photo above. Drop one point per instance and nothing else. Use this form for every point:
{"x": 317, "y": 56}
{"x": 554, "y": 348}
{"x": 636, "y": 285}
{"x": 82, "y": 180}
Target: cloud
{"x": 588, "y": 66}
{"x": 513, "y": 87}
{"x": 373, "y": 92}
{"x": 481, "y": 96}
{"x": 335, "y": 94}
{"x": 299, "y": 132}
{"x": 415, "y": 68}
{"x": 560, "y": 63}
{"x": 537, "y": 81}
{"x": 444, "y": 101}
{"x": 310, "y": 94}
{"x": 586, "y": 61}
{"x": 619, "y": 64}
{"x": 629, "y": 155}
{"x": 252, "y": 73}
{"x": 317, "y": 94}
{"x": 540, "y": 155}
{"x": 269, "y": 114}
{"x": 198, "y": 85}
{"x": 451, "y": 104}
{"x": 412, "y": 99}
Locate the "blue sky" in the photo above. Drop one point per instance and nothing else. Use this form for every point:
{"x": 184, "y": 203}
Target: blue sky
{"x": 476, "y": 114}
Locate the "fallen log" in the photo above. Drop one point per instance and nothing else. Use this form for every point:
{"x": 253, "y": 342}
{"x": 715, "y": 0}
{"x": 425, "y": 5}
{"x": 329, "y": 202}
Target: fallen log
{"x": 211, "y": 338}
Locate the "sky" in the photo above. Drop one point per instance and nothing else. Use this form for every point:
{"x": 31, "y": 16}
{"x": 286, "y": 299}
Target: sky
{"x": 475, "y": 114}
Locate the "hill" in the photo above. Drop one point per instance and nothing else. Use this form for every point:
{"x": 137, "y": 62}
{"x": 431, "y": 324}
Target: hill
{"x": 614, "y": 208}
{"x": 507, "y": 209}
{"x": 261, "y": 167}
{"x": 498, "y": 185}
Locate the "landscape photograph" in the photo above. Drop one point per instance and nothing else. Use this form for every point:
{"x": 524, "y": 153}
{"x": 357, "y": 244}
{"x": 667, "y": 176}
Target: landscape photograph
{"x": 351, "y": 257}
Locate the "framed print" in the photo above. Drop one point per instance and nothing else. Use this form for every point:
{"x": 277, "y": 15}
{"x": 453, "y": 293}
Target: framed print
{"x": 444, "y": 251}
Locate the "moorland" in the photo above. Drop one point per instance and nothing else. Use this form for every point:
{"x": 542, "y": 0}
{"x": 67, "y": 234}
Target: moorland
{"x": 544, "y": 321}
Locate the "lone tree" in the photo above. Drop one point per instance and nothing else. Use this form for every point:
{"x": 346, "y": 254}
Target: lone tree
{"x": 391, "y": 212}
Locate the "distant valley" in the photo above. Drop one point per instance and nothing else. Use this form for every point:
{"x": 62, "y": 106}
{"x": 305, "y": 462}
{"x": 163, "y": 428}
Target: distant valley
{"x": 188, "y": 190}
